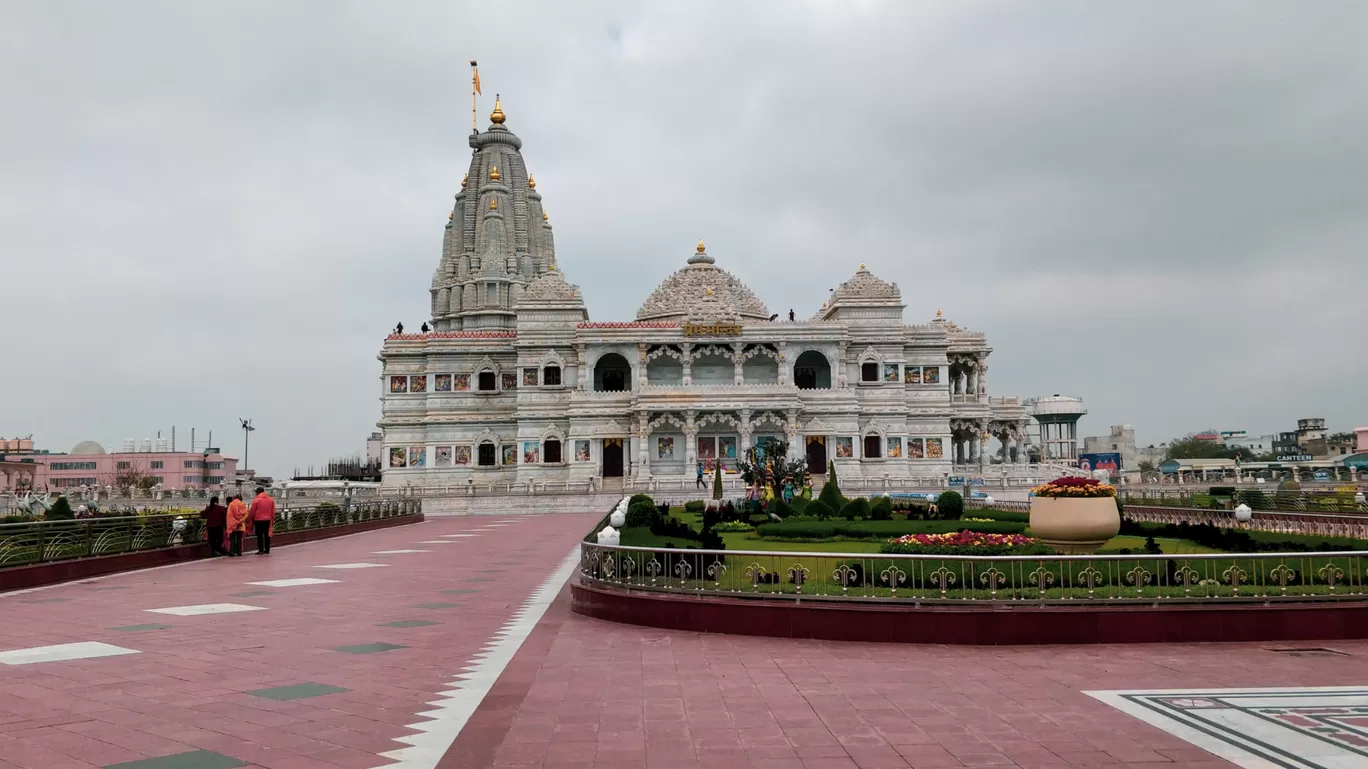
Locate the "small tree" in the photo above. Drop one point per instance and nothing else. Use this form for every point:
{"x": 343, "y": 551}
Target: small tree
{"x": 831, "y": 491}
{"x": 717, "y": 482}
{"x": 950, "y": 505}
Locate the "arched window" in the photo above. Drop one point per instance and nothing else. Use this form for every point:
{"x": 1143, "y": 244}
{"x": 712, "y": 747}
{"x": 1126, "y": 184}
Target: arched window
{"x": 551, "y": 451}
{"x": 873, "y": 447}
{"x": 869, "y": 371}
{"x": 486, "y": 453}
{"x": 551, "y": 376}
{"x": 486, "y": 382}
{"x": 812, "y": 371}
{"x": 612, "y": 374}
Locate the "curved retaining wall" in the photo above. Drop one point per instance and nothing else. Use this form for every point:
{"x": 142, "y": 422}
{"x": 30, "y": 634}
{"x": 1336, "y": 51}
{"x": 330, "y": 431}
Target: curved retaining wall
{"x": 38, "y": 574}
{"x": 987, "y": 624}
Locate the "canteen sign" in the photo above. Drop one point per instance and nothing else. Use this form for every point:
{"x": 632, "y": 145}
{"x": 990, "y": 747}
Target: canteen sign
{"x": 1295, "y": 458}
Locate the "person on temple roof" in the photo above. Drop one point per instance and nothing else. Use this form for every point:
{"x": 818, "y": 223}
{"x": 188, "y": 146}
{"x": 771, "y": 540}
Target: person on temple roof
{"x": 399, "y": 328}
{"x": 425, "y": 328}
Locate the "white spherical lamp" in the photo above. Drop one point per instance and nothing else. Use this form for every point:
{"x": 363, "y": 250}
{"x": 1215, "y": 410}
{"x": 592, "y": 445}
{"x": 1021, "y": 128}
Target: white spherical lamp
{"x": 1243, "y": 513}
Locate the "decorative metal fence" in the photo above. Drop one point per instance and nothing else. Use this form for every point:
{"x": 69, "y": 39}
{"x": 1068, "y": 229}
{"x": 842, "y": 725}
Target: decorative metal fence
{"x": 948, "y": 579}
{"x": 1272, "y": 499}
{"x": 43, "y": 541}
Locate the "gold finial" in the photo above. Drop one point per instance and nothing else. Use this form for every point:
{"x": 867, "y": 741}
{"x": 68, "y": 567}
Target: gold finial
{"x": 862, "y": 265}
{"x": 531, "y": 182}
{"x": 493, "y": 204}
{"x": 465, "y": 179}
{"x": 497, "y": 116}
{"x": 700, "y": 247}
{"x": 544, "y": 216}
{"x": 552, "y": 268}
{"x": 494, "y": 175}
{"x": 451, "y": 216}
{"x": 938, "y": 312}
{"x": 709, "y": 292}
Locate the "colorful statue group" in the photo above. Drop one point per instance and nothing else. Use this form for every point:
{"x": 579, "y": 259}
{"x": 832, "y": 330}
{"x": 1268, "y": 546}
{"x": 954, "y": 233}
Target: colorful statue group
{"x": 761, "y": 492}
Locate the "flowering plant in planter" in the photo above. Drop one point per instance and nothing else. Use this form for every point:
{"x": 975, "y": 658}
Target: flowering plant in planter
{"x": 1074, "y": 487}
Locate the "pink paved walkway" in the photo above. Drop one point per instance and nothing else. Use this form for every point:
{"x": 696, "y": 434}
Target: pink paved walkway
{"x": 187, "y": 689}
{"x": 579, "y": 694}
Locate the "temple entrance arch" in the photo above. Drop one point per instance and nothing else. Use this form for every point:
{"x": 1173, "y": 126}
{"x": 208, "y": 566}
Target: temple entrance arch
{"x": 816, "y": 454}
{"x": 612, "y": 457}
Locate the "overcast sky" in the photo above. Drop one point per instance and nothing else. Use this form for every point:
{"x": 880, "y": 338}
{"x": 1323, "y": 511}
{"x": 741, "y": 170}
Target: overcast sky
{"x": 214, "y": 210}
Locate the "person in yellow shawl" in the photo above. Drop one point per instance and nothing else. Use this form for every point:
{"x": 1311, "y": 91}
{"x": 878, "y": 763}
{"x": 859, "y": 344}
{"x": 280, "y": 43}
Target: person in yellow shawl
{"x": 237, "y": 525}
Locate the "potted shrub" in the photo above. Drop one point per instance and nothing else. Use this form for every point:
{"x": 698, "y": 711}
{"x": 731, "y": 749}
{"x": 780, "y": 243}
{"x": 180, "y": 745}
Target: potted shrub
{"x": 1074, "y": 515}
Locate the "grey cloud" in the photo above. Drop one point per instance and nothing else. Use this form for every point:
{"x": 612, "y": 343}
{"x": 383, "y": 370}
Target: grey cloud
{"x": 217, "y": 209}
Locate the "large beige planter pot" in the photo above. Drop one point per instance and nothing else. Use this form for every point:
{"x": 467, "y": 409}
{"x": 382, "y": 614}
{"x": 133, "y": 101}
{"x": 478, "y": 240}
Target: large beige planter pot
{"x": 1074, "y": 524}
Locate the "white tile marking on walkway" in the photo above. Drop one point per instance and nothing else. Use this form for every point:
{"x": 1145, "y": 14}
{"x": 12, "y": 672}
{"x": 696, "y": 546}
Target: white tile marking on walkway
{"x": 62, "y": 652}
{"x": 296, "y": 582}
{"x": 460, "y": 535}
{"x": 352, "y": 566}
{"x": 435, "y": 542}
{"x": 206, "y": 608}
{"x": 454, "y": 709}
{"x": 397, "y": 552}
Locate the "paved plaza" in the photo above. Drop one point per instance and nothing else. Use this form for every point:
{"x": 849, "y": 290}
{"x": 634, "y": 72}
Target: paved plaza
{"x": 451, "y": 644}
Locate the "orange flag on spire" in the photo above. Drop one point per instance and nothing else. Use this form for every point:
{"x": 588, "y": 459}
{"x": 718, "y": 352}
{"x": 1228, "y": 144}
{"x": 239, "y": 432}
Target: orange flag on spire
{"x": 476, "y": 72}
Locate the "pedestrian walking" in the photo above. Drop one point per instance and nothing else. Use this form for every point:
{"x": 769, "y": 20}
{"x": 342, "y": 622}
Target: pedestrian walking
{"x": 699, "y": 482}
{"x": 215, "y": 520}
{"x": 237, "y": 525}
{"x": 262, "y": 513}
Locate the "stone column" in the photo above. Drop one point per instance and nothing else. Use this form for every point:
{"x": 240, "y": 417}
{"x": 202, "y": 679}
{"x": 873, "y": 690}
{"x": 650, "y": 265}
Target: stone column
{"x": 688, "y": 368}
{"x": 982, "y": 377}
{"x": 690, "y": 445}
{"x": 641, "y": 367}
{"x": 791, "y": 432}
{"x": 738, "y": 366}
{"x": 581, "y": 367}
{"x": 842, "y": 368}
{"x": 745, "y": 433}
{"x": 782, "y": 361}
{"x": 970, "y": 378}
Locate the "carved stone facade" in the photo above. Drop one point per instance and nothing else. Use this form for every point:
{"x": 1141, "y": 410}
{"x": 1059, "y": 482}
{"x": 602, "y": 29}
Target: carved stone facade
{"x": 515, "y": 382}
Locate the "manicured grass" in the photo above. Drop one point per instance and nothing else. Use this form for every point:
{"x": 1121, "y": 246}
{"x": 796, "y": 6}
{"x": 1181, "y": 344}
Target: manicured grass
{"x": 1169, "y": 546}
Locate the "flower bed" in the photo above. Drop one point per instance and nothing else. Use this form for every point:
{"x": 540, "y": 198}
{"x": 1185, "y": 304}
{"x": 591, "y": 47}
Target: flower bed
{"x": 965, "y": 543}
{"x": 817, "y": 530}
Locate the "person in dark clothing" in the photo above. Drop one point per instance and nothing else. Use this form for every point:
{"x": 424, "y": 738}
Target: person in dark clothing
{"x": 215, "y": 521}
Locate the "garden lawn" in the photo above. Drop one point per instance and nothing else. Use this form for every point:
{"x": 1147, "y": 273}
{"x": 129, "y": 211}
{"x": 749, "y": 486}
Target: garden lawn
{"x": 1169, "y": 546}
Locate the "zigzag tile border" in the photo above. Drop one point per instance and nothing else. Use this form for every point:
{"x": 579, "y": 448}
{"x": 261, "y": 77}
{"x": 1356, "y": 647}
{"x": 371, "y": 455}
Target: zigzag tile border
{"x": 470, "y": 686}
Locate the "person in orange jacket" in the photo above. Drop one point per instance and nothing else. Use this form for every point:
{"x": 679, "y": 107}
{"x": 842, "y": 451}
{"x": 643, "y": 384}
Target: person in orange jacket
{"x": 262, "y": 513}
{"x": 237, "y": 524}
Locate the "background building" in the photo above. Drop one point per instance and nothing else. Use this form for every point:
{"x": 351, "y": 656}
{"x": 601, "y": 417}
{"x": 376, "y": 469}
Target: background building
{"x": 144, "y": 464}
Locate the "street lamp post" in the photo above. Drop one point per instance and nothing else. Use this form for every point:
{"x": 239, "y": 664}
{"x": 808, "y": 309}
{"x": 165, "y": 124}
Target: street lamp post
{"x": 246, "y": 440}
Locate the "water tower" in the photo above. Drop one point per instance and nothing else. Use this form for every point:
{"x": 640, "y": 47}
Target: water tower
{"x": 1057, "y": 416}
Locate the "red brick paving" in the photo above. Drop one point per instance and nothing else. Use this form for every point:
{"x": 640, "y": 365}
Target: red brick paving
{"x": 187, "y": 690}
{"x": 580, "y": 694}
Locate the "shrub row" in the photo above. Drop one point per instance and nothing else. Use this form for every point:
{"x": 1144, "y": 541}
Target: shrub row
{"x": 879, "y": 529}
{"x": 1232, "y": 541}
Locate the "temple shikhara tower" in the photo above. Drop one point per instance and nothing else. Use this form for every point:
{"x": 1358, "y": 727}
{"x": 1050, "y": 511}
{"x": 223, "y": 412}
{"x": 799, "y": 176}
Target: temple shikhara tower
{"x": 516, "y": 383}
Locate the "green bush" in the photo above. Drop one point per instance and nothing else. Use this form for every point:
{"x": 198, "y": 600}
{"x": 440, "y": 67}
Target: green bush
{"x": 695, "y": 506}
{"x": 61, "y": 511}
{"x": 640, "y": 498}
{"x": 643, "y": 513}
{"x": 818, "y": 509}
{"x": 950, "y": 506}
{"x": 782, "y": 509}
{"x": 733, "y": 526}
{"x": 1221, "y": 491}
{"x": 1289, "y": 486}
{"x": 882, "y": 509}
{"x": 831, "y": 490}
{"x": 855, "y": 508}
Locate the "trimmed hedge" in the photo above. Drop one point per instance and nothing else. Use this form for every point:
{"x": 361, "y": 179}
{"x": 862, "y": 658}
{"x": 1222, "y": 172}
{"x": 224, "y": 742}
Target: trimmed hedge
{"x": 818, "y": 509}
{"x": 949, "y": 506}
{"x": 855, "y": 508}
{"x": 695, "y": 506}
{"x": 882, "y": 509}
{"x": 643, "y": 513}
{"x": 1234, "y": 541}
{"x": 808, "y": 530}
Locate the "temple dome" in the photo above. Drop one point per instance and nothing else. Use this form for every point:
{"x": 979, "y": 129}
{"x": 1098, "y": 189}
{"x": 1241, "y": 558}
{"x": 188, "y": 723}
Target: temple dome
{"x": 87, "y": 448}
{"x": 552, "y": 287}
{"x": 702, "y": 286}
{"x": 865, "y": 285}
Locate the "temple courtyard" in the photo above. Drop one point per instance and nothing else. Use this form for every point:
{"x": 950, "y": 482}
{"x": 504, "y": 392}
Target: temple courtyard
{"x": 451, "y": 644}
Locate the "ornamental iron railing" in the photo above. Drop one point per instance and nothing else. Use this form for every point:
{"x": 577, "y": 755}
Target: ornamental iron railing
{"x": 1260, "y": 578}
{"x": 22, "y": 544}
{"x": 1326, "y": 500}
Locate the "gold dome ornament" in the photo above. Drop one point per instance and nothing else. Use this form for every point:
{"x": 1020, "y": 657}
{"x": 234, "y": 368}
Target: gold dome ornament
{"x": 544, "y": 216}
{"x": 494, "y": 175}
{"x": 493, "y": 204}
{"x": 938, "y": 312}
{"x": 465, "y": 180}
{"x": 497, "y": 116}
{"x": 451, "y": 216}
{"x": 531, "y": 182}
{"x": 700, "y": 247}
{"x": 862, "y": 265}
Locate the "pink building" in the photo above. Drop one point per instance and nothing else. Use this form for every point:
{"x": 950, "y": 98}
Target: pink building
{"x": 1362, "y": 439}
{"x": 88, "y": 464}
